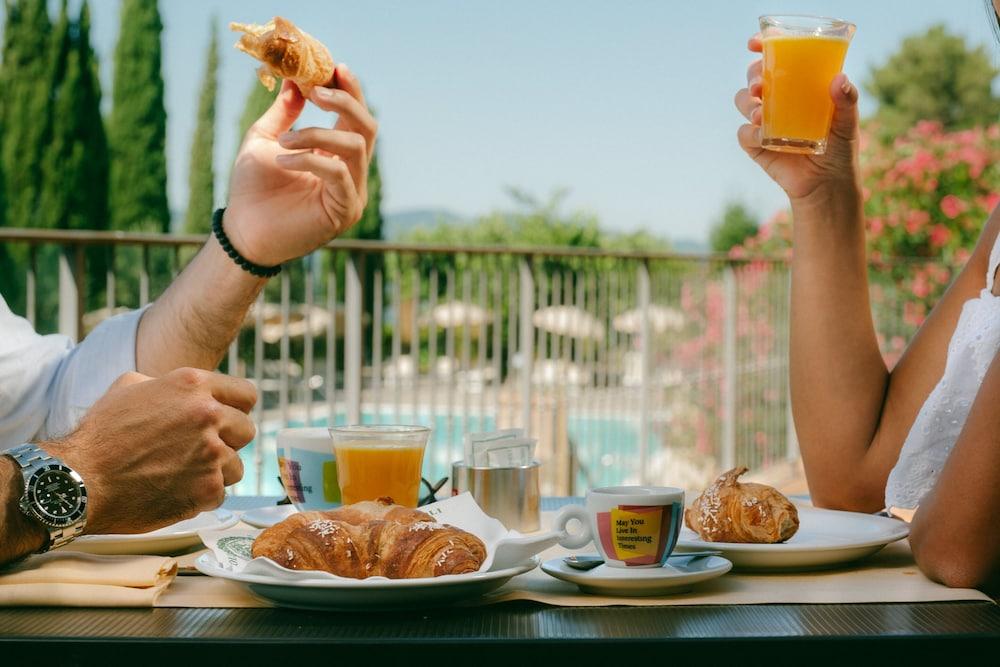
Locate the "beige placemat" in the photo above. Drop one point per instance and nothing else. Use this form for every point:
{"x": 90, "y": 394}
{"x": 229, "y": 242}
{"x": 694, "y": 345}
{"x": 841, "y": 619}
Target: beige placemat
{"x": 208, "y": 592}
{"x": 889, "y": 576}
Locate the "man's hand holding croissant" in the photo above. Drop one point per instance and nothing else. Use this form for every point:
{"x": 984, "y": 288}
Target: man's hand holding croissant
{"x": 293, "y": 191}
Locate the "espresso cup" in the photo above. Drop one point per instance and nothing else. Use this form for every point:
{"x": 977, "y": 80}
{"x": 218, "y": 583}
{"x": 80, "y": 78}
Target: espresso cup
{"x": 632, "y": 526}
{"x": 308, "y": 468}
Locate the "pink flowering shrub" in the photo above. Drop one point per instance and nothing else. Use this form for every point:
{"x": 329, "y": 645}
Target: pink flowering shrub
{"x": 927, "y": 196}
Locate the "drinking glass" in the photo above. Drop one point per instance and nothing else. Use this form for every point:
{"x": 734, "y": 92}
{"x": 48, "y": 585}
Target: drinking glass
{"x": 380, "y": 461}
{"x": 802, "y": 55}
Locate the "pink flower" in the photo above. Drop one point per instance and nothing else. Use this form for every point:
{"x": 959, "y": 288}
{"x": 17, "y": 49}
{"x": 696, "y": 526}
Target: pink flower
{"x": 952, "y": 206}
{"x": 927, "y": 128}
{"x": 940, "y": 235}
{"x": 915, "y": 220}
{"x": 920, "y": 286}
{"x": 991, "y": 201}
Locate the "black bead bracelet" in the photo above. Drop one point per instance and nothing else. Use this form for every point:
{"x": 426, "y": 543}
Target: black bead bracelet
{"x": 241, "y": 261}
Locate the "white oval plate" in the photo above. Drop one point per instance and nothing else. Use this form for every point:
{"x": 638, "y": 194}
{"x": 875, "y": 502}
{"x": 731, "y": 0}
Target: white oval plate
{"x": 367, "y": 594}
{"x": 826, "y": 538}
{"x": 265, "y": 517}
{"x": 166, "y": 541}
{"x": 639, "y": 582}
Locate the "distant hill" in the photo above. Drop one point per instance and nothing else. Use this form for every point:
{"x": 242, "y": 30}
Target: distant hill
{"x": 689, "y": 246}
{"x": 399, "y": 223}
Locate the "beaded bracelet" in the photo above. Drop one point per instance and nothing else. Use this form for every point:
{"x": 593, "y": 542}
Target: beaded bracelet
{"x": 241, "y": 261}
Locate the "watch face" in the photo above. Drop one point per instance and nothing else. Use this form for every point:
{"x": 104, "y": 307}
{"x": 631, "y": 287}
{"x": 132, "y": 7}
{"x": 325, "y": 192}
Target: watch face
{"x": 57, "y": 495}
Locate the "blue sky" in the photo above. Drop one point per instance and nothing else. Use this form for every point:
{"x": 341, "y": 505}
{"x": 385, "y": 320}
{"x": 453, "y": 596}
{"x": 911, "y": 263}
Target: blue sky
{"x": 626, "y": 104}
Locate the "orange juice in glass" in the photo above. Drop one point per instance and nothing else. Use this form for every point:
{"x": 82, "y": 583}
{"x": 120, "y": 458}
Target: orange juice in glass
{"x": 802, "y": 55}
{"x": 378, "y": 461}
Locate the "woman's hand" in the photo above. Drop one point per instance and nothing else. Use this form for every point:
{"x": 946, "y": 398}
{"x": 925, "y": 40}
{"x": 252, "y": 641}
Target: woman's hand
{"x": 803, "y": 175}
{"x": 293, "y": 191}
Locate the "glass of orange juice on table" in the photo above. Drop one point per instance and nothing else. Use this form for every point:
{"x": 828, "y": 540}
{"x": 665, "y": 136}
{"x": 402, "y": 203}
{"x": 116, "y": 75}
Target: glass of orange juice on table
{"x": 802, "y": 55}
{"x": 378, "y": 461}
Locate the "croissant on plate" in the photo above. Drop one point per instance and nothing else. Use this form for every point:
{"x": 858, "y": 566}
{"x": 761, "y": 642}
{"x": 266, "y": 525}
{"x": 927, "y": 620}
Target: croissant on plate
{"x": 286, "y": 52}
{"x": 728, "y": 511}
{"x": 369, "y": 539}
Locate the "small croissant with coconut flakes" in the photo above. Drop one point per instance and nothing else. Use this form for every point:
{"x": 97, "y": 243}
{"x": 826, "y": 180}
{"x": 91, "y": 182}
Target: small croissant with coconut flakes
{"x": 728, "y": 511}
{"x": 286, "y": 52}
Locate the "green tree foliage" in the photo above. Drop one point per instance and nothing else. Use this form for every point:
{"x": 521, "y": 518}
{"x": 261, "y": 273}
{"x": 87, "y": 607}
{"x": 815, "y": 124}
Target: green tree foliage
{"x": 258, "y": 100}
{"x": 935, "y": 76}
{"x": 138, "y": 125}
{"x": 25, "y": 79}
{"x": 371, "y": 222}
{"x": 137, "y": 131}
{"x": 201, "y": 176}
{"x": 532, "y": 222}
{"x": 75, "y": 167}
{"x": 737, "y": 225}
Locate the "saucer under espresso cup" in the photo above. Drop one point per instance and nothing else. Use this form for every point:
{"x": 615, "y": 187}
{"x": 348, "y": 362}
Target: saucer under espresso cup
{"x": 631, "y": 526}
{"x": 308, "y": 468}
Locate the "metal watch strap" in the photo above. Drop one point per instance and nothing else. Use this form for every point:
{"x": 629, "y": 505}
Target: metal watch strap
{"x": 29, "y": 457}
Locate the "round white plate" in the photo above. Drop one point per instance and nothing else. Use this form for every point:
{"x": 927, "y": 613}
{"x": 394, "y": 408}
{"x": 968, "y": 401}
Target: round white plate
{"x": 367, "y": 594}
{"x": 265, "y": 517}
{"x": 826, "y": 538}
{"x": 163, "y": 542}
{"x": 639, "y": 582}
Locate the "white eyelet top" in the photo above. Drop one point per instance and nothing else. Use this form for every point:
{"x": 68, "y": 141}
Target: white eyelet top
{"x": 973, "y": 346}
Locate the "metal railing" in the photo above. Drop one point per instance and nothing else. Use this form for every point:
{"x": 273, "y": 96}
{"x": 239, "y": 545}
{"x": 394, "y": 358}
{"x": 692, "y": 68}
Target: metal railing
{"x": 627, "y": 367}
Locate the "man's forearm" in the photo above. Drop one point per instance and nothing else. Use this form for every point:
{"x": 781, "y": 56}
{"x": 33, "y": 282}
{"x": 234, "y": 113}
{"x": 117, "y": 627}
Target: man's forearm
{"x": 836, "y": 368}
{"x": 19, "y": 536}
{"x": 201, "y": 312}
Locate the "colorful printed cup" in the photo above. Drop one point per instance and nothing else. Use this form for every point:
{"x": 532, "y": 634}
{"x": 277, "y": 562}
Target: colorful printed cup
{"x": 632, "y": 526}
{"x": 308, "y": 468}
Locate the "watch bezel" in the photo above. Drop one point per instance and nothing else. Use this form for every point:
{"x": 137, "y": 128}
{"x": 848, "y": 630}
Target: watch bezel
{"x": 35, "y": 506}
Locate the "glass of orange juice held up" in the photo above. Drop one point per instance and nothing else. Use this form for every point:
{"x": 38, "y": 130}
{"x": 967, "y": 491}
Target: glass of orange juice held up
{"x": 802, "y": 55}
{"x": 379, "y": 461}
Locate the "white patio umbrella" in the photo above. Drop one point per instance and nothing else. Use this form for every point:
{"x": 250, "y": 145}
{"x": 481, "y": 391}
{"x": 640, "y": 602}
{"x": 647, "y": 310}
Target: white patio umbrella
{"x": 301, "y": 318}
{"x": 458, "y": 314}
{"x": 661, "y": 319}
{"x": 568, "y": 321}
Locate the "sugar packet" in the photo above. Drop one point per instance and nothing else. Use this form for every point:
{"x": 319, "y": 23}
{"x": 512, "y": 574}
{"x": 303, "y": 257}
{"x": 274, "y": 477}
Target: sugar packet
{"x": 503, "y": 453}
{"x": 471, "y": 439}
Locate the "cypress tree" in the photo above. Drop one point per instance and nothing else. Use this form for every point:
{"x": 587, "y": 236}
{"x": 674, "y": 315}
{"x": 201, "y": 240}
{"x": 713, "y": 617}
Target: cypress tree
{"x": 370, "y": 224}
{"x": 201, "y": 176}
{"x": 138, "y": 124}
{"x": 92, "y": 209}
{"x": 25, "y": 80}
{"x": 258, "y": 101}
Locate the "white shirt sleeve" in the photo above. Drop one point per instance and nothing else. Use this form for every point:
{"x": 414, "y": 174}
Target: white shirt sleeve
{"x": 47, "y": 383}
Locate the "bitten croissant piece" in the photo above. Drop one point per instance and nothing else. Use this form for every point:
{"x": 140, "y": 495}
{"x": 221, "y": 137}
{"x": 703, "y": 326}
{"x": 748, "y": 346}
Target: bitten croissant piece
{"x": 398, "y": 549}
{"x": 728, "y": 511}
{"x": 286, "y": 52}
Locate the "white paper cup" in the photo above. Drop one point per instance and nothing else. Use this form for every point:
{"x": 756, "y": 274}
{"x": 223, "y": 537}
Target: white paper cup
{"x": 308, "y": 468}
{"x": 631, "y": 526}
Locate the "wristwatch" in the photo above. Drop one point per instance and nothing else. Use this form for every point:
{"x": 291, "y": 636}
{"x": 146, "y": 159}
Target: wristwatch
{"x": 54, "y": 494}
